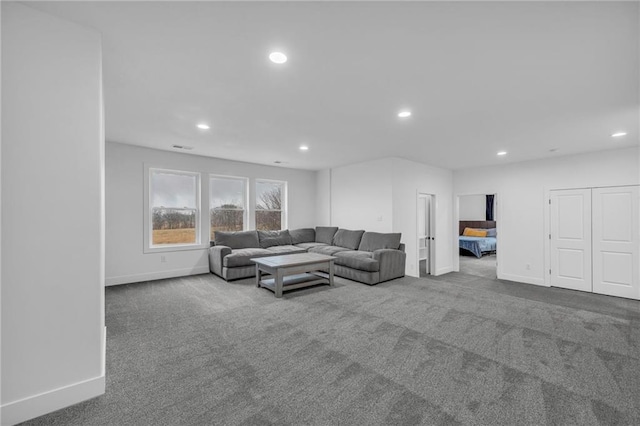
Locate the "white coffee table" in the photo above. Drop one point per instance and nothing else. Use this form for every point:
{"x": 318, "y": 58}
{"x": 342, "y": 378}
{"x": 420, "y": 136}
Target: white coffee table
{"x": 291, "y": 271}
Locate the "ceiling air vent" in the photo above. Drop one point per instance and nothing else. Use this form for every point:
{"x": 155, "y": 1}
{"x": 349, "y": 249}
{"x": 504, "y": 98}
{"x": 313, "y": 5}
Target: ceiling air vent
{"x": 186, "y": 148}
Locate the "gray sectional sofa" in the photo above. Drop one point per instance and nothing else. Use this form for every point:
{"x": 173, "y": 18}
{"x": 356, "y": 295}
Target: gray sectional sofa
{"x": 366, "y": 257}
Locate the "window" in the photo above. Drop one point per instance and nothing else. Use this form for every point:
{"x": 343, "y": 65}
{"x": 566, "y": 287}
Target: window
{"x": 174, "y": 199}
{"x": 227, "y": 204}
{"x": 270, "y": 205}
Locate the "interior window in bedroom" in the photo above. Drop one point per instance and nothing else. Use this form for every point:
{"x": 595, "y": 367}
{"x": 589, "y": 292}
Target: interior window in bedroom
{"x": 271, "y": 205}
{"x": 173, "y": 207}
{"x": 227, "y": 204}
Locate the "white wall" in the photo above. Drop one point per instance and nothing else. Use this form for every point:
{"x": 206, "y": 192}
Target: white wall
{"x": 409, "y": 179}
{"x": 473, "y": 207}
{"x": 125, "y": 260}
{"x": 361, "y": 196}
{"x": 387, "y": 189}
{"x": 521, "y": 193}
{"x": 323, "y": 197}
{"x": 0, "y": 234}
{"x": 52, "y": 214}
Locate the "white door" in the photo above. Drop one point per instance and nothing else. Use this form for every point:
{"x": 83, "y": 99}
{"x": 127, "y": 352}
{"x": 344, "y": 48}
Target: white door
{"x": 570, "y": 237}
{"x": 615, "y": 241}
{"x": 424, "y": 232}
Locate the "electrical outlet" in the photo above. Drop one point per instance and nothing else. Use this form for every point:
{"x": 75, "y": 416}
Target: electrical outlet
{"x": 163, "y": 259}
{"x": 379, "y": 218}
{"x": 528, "y": 267}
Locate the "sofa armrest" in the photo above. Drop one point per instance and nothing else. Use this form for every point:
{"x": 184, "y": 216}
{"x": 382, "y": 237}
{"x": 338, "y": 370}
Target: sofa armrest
{"x": 392, "y": 263}
{"x": 216, "y": 256}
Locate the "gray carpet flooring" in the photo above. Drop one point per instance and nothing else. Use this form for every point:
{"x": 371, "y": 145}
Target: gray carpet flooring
{"x": 482, "y": 267}
{"x": 454, "y": 349}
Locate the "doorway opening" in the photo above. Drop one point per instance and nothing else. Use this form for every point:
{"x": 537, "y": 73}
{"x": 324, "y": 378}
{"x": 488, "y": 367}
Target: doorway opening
{"x": 426, "y": 234}
{"x": 477, "y": 235}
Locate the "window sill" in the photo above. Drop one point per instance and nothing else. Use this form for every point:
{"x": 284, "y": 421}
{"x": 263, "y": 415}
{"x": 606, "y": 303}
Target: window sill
{"x": 175, "y": 247}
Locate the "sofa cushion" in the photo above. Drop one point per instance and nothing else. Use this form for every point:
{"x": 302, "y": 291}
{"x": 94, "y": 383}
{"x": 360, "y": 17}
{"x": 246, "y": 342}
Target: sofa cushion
{"x": 372, "y": 241}
{"x": 274, "y": 238}
{"x": 307, "y": 246}
{"x": 286, "y": 249}
{"x": 324, "y": 234}
{"x": 361, "y": 260}
{"x": 242, "y": 257}
{"x": 303, "y": 235}
{"x": 328, "y": 250}
{"x": 237, "y": 240}
{"x": 347, "y": 239}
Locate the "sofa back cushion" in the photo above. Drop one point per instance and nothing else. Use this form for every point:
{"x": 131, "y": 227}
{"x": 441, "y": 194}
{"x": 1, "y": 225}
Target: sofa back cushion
{"x": 372, "y": 241}
{"x": 303, "y": 235}
{"x": 237, "y": 240}
{"x": 347, "y": 238}
{"x": 274, "y": 238}
{"x": 324, "y": 234}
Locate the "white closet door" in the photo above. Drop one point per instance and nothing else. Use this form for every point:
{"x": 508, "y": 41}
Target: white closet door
{"x": 571, "y": 239}
{"x": 615, "y": 241}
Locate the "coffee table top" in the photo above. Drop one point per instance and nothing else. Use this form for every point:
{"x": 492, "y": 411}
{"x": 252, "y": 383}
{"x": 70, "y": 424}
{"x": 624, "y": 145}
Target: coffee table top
{"x": 292, "y": 259}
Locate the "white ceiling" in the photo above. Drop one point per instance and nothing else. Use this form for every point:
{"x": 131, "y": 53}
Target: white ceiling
{"x": 478, "y": 77}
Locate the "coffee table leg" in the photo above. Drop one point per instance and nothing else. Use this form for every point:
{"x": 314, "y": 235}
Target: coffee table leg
{"x": 258, "y": 275}
{"x": 279, "y": 282}
{"x": 331, "y": 273}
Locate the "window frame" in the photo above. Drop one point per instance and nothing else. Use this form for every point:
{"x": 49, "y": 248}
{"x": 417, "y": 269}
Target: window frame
{"x": 148, "y": 246}
{"x": 285, "y": 199}
{"x": 245, "y": 198}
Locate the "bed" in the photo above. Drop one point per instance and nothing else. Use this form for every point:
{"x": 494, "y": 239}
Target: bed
{"x": 479, "y": 246}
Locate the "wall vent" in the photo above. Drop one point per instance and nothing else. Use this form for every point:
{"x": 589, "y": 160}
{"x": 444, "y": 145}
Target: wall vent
{"x": 186, "y": 148}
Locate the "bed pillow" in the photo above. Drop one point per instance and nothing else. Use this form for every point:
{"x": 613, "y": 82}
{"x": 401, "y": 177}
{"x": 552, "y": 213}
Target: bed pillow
{"x": 491, "y": 232}
{"x": 470, "y": 232}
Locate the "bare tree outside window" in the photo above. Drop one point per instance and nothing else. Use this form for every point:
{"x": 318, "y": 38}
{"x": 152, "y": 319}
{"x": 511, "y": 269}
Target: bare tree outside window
{"x": 227, "y": 204}
{"x": 173, "y": 225}
{"x": 269, "y": 206}
{"x": 227, "y": 217}
{"x": 173, "y": 207}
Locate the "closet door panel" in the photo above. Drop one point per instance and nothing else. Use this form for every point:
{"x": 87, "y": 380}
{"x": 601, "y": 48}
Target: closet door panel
{"x": 570, "y": 227}
{"x": 616, "y": 242}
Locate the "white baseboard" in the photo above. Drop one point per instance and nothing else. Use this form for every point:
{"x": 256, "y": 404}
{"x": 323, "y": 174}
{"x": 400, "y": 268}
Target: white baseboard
{"x": 523, "y": 279}
{"x": 47, "y": 402}
{"x": 445, "y": 270}
{"x": 150, "y": 276}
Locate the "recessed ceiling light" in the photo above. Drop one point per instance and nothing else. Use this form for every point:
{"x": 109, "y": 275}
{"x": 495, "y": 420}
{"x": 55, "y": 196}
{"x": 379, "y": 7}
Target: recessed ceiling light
{"x": 203, "y": 126}
{"x": 304, "y": 148}
{"x": 278, "y": 57}
{"x": 404, "y": 114}
{"x": 502, "y": 153}
{"x": 619, "y": 134}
